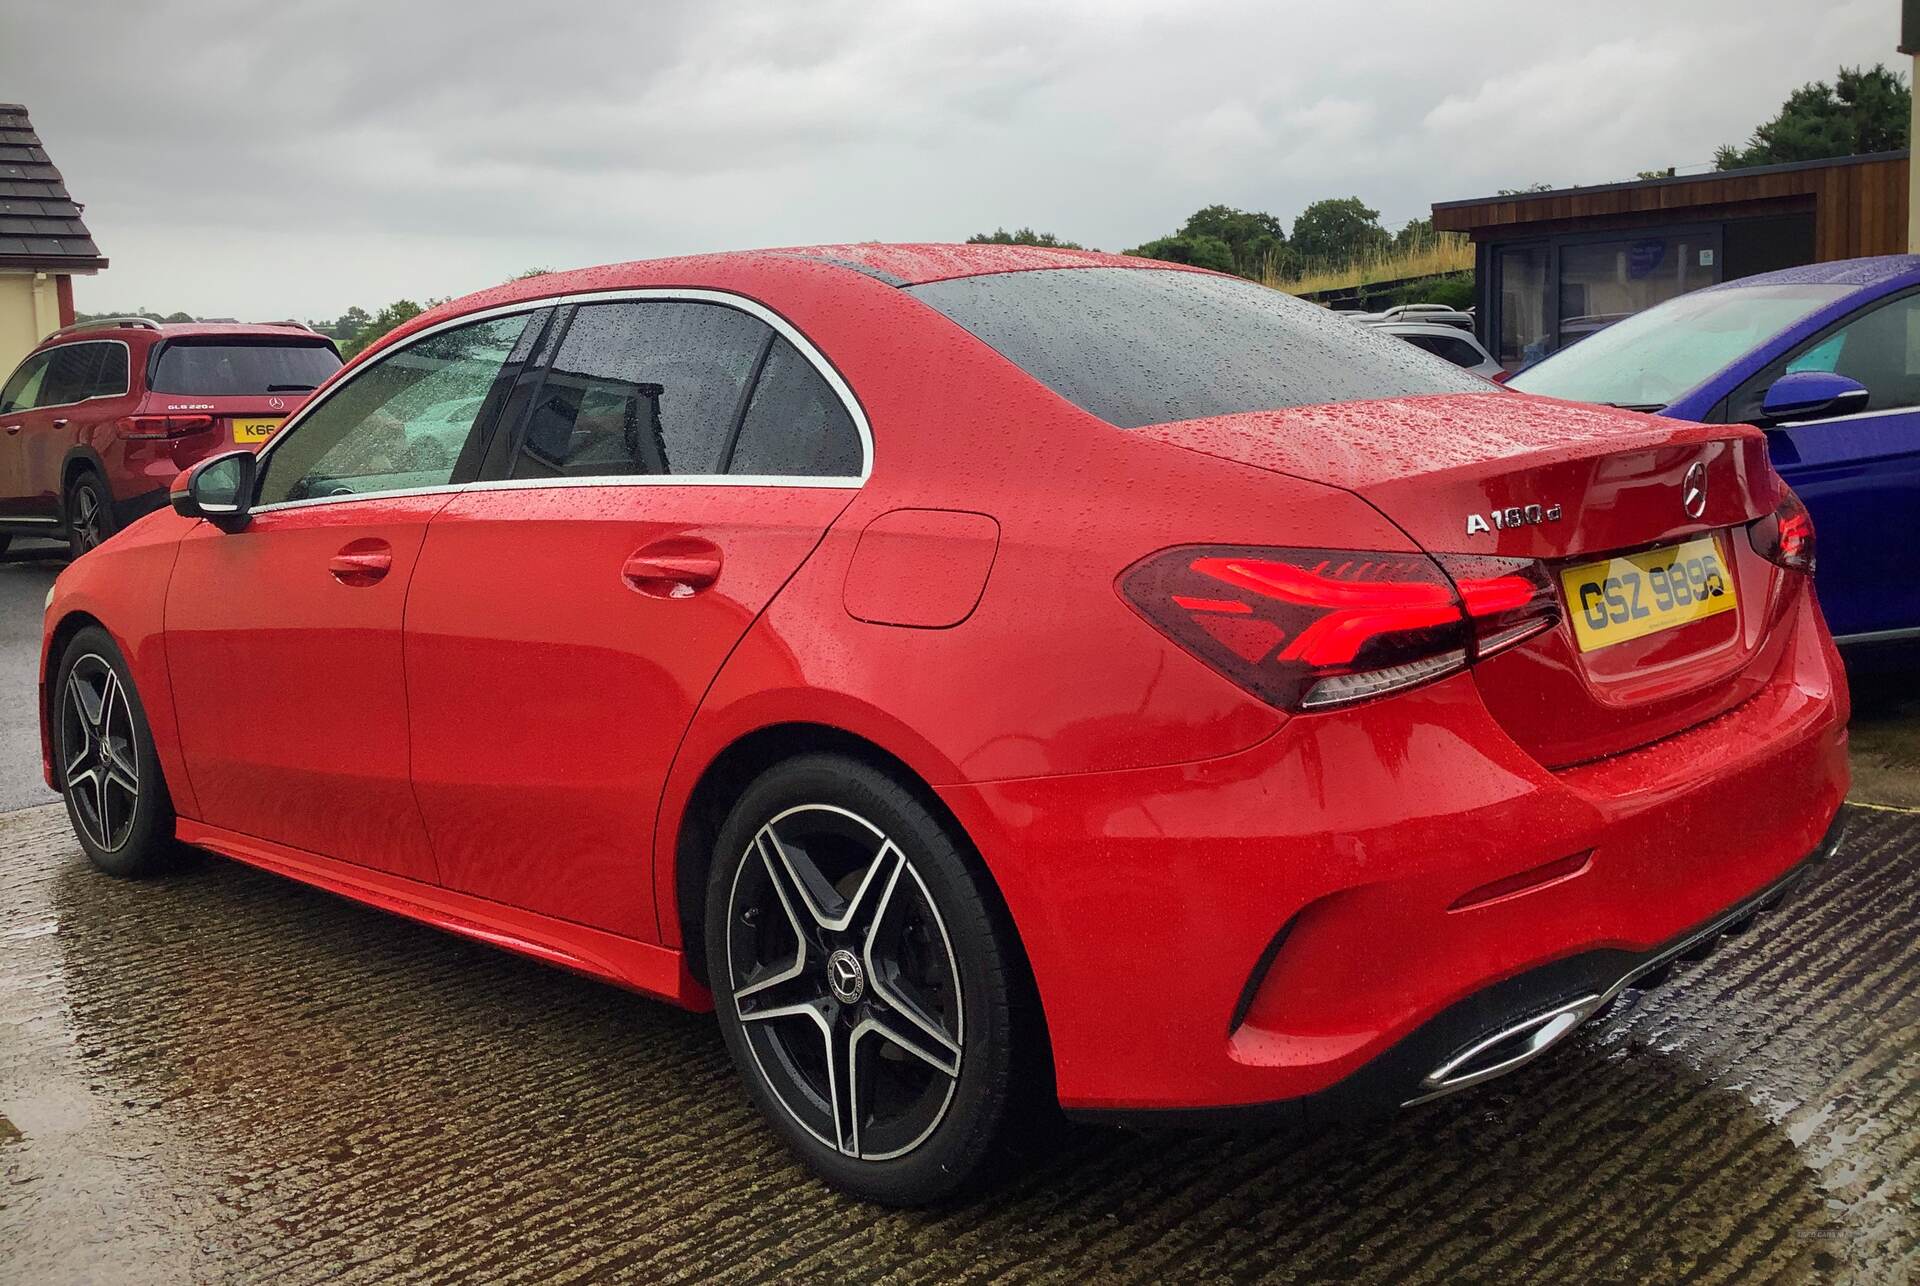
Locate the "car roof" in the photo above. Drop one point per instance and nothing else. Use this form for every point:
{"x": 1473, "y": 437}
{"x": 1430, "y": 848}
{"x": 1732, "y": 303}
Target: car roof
{"x": 114, "y": 329}
{"x": 887, "y": 264}
{"x": 1394, "y": 326}
{"x": 1877, "y": 271}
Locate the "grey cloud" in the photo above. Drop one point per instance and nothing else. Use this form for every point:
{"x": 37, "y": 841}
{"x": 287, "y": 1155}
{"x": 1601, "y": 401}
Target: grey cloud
{"x": 256, "y": 158}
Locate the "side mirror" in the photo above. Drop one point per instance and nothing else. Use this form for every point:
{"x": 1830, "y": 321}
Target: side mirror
{"x": 1812, "y": 395}
{"x": 219, "y": 489}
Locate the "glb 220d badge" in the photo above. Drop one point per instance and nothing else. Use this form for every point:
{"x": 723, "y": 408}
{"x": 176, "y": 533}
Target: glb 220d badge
{"x": 1518, "y": 516}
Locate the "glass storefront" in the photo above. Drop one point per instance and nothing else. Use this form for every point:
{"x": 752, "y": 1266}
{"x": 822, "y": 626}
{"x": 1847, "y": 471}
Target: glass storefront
{"x": 1555, "y": 292}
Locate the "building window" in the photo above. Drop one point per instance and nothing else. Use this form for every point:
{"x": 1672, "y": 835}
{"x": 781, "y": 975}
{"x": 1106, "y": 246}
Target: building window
{"x": 1523, "y": 335}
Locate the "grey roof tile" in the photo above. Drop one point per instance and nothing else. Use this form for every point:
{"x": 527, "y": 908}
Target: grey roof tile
{"x": 40, "y": 222}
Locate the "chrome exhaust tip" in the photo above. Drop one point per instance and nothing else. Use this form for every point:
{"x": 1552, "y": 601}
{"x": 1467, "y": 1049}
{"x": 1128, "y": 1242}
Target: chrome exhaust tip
{"x": 1507, "y": 1049}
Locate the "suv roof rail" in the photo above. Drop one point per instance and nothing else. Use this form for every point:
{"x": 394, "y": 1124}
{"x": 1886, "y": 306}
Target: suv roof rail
{"x": 108, "y": 323}
{"x": 297, "y": 325}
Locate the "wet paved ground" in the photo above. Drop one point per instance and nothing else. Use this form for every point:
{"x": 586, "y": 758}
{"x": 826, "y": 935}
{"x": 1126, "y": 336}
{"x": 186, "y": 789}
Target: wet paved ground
{"x": 227, "y": 1076}
{"x": 27, "y": 569}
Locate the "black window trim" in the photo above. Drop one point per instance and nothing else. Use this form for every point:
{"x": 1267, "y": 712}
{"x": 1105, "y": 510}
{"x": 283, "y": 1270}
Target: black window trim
{"x": 126, "y": 385}
{"x": 488, "y": 482}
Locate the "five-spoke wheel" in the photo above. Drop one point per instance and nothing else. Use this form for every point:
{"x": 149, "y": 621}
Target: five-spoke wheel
{"x": 89, "y": 513}
{"x": 862, "y": 980}
{"x": 98, "y": 763}
{"x": 844, "y": 979}
{"x": 105, "y": 761}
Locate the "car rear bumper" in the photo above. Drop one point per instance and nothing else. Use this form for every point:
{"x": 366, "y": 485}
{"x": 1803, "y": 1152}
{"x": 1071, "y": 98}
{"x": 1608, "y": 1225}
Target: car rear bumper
{"x": 1494, "y": 1031}
{"x": 1327, "y": 918}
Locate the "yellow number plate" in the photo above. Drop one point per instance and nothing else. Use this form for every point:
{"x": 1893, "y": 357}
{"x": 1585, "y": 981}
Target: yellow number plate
{"x": 254, "y": 430}
{"x": 1641, "y": 594}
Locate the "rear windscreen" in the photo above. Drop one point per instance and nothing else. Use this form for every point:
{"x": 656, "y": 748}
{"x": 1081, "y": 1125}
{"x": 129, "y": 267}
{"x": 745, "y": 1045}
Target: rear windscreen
{"x": 240, "y": 369}
{"x": 1139, "y": 346}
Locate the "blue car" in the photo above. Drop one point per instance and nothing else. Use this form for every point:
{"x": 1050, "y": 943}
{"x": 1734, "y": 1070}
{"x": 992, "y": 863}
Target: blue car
{"x": 1826, "y": 358}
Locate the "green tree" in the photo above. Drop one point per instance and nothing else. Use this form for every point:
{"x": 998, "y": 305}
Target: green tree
{"x": 348, "y": 324}
{"x": 1201, "y": 252}
{"x": 1416, "y": 233}
{"x": 1862, "y": 111}
{"x": 394, "y": 314}
{"x": 1022, "y": 237}
{"x": 531, "y": 272}
{"x": 1338, "y": 231}
{"x": 1530, "y": 188}
{"x": 1256, "y": 240}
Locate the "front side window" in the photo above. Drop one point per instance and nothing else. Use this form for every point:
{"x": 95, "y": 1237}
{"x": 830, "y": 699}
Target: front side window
{"x": 401, "y": 424}
{"x": 23, "y": 388}
{"x": 795, "y": 426}
{"x": 647, "y": 386}
{"x": 1879, "y": 349}
{"x": 1139, "y": 346}
{"x": 238, "y": 368}
{"x": 1651, "y": 358}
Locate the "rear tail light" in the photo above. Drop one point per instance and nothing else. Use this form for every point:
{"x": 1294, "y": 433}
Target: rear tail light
{"x": 1785, "y": 536}
{"x": 1305, "y": 629}
{"x": 161, "y": 426}
{"x": 1501, "y": 377}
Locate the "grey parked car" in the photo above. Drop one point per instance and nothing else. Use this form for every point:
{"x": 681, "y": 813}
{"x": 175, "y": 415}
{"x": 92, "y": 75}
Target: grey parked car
{"x": 1445, "y": 340}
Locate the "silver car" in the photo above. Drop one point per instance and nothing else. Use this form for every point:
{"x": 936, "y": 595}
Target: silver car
{"x": 1443, "y": 340}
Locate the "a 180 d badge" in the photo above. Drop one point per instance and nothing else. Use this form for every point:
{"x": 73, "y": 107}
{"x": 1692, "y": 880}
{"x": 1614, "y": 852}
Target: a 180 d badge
{"x": 1517, "y": 516}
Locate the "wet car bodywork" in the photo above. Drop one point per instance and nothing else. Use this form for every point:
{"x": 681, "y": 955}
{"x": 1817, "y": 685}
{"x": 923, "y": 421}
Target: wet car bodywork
{"x": 1227, "y": 895}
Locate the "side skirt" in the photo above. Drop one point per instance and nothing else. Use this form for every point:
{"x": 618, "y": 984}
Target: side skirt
{"x": 641, "y": 966}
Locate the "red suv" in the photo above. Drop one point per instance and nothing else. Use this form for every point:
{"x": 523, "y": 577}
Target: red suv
{"x": 102, "y": 416}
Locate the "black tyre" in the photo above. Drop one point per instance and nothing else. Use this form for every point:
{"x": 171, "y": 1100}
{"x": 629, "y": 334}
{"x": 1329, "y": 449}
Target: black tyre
{"x": 103, "y": 751}
{"x": 865, "y": 990}
{"x": 89, "y": 512}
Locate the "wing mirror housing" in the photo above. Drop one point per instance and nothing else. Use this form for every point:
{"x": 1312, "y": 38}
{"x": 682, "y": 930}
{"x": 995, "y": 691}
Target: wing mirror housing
{"x": 218, "y": 489}
{"x": 1812, "y": 395}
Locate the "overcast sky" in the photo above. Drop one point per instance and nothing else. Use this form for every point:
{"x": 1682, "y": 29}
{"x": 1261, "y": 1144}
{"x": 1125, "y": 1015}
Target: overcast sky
{"x": 273, "y": 159}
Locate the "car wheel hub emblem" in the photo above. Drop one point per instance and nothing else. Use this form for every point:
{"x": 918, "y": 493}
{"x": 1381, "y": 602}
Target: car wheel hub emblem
{"x": 1693, "y": 490}
{"x": 845, "y": 976}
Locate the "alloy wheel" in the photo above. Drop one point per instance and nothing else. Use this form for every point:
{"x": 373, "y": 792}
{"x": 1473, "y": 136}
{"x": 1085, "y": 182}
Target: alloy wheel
{"x": 845, "y": 983}
{"x": 99, "y": 763}
{"x": 87, "y": 517}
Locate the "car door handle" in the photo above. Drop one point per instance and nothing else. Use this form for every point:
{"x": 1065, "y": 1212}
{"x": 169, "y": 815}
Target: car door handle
{"x": 12, "y": 429}
{"x": 362, "y": 563}
{"x": 677, "y": 567}
{"x": 59, "y": 424}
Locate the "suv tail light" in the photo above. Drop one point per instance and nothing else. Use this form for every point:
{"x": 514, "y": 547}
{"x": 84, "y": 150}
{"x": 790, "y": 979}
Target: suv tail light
{"x": 1785, "y": 536}
{"x": 1305, "y": 629}
{"x": 161, "y": 426}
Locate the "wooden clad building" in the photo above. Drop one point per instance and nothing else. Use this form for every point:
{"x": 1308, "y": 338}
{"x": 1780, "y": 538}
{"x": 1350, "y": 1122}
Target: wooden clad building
{"x": 1552, "y": 267}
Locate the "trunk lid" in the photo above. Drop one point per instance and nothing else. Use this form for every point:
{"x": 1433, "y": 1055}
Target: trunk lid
{"x": 1486, "y": 473}
{"x": 248, "y": 420}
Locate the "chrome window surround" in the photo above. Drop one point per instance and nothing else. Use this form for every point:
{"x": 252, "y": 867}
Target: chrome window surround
{"x": 1847, "y": 419}
{"x": 781, "y": 326}
{"x": 97, "y": 397}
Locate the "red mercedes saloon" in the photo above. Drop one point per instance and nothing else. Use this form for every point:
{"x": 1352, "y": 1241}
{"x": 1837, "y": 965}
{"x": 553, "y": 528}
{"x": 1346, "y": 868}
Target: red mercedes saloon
{"x": 984, "y": 676}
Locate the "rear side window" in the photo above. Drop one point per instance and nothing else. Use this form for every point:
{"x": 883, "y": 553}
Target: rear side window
{"x": 226, "y": 368}
{"x": 641, "y": 387}
{"x": 795, "y": 426}
{"x": 1139, "y": 346}
{"x": 76, "y": 372}
{"x": 1451, "y": 347}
